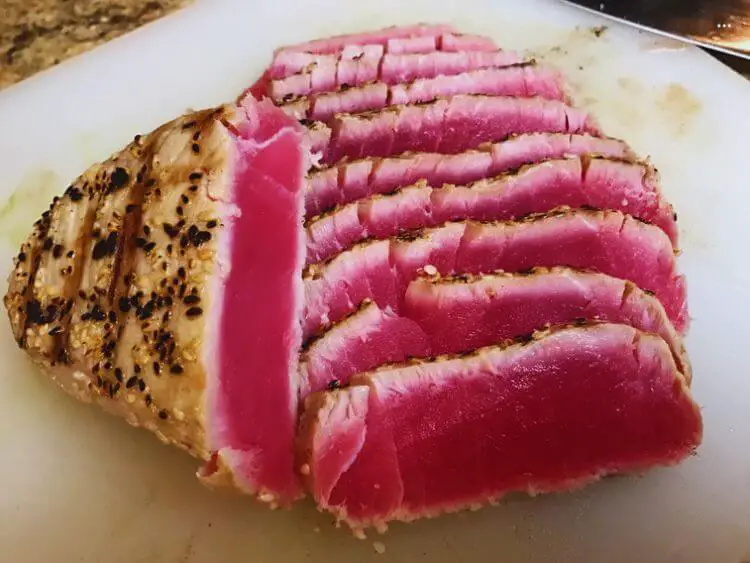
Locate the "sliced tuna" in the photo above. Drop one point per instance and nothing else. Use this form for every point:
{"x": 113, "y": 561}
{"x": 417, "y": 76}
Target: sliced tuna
{"x": 603, "y": 241}
{"x": 450, "y": 126}
{"x": 375, "y": 37}
{"x": 368, "y": 339}
{"x": 352, "y": 180}
{"x": 520, "y": 80}
{"x": 457, "y": 42}
{"x": 420, "y": 44}
{"x": 577, "y": 182}
{"x": 552, "y": 414}
{"x": 325, "y": 73}
{"x": 460, "y": 314}
{"x": 525, "y": 80}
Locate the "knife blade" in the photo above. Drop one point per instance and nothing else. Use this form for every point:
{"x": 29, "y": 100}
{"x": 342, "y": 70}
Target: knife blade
{"x": 719, "y": 25}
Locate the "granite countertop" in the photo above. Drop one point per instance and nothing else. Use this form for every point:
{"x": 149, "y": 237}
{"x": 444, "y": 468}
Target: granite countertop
{"x": 37, "y": 34}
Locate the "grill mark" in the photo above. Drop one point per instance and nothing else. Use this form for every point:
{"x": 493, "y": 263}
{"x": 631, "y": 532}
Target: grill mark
{"x": 35, "y": 257}
{"x": 126, "y": 255}
{"x": 125, "y": 252}
{"x": 82, "y": 248}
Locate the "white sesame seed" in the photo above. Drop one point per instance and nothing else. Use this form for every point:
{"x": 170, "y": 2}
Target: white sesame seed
{"x": 379, "y": 547}
{"x": 79, "y": 376}
{"x": 266, "y": 497}
{"x": 430, "y": 270}
{"x": 305, "y": 469}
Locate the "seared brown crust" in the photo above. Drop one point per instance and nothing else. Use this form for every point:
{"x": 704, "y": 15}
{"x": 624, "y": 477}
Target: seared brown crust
{"x": 109, "y": 294}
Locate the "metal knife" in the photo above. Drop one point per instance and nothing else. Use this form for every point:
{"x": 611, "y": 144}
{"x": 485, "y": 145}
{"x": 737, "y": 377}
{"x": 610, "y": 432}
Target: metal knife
{"x": 719, "y": 25}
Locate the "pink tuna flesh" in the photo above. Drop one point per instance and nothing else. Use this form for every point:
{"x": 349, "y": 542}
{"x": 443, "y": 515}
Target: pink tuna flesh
{"x": 253, "y": 394}
{"x": 523, "y": 80}
{"x": 366, "y": 340}
{"x": 466, "y": 42}
{"x": 604, "y": 241}
{"x": 450, "y": 126}
{"x": 458, "y": 315}
{"x": 598, "y": 183}
{"x": 352, "y": 180}
{"x": 552, "y": 414}
{"x": 326, "y": 73}
{"x": 375, "y": 37}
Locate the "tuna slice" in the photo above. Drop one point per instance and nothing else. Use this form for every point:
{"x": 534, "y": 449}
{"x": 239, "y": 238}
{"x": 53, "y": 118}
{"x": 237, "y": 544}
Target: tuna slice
{"x": 368, "y": 64}
{"x": 186, "y": 234}
{"x": 461, "y": 314}
{"x": 523, "y": 81}
{"x": 450, "y": 126}
{"x": 368, "y": 339}
{"x": 352, "y": 180}
{"x": 557, "y": 412}
{"x": 604, "y": 241}
{"x": 581, "y": 182}
{"x": 376, "y": 37}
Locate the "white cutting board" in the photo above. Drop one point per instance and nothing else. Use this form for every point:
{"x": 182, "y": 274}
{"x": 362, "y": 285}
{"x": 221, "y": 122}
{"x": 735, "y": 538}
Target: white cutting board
{"x": 78, "y": 485}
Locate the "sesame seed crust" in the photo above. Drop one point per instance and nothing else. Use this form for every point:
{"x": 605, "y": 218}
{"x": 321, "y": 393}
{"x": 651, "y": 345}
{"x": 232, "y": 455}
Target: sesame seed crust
{"x": 109, "y": 295}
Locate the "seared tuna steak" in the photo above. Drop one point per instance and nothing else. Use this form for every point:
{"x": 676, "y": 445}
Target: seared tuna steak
{"x": 129, "y": 292}
{"x": 380, "y": 227}
{"x": 459, "y": 314}
{"x": 548, "y": 414}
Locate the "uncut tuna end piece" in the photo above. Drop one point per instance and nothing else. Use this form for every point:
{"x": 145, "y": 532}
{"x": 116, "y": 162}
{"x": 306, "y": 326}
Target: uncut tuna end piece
{"x": 550, "y": 414}
{"x": 129, "y": 292}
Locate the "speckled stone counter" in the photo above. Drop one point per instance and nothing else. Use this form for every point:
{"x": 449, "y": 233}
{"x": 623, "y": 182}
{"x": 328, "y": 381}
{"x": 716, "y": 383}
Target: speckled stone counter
{"x": 37, "y": 34}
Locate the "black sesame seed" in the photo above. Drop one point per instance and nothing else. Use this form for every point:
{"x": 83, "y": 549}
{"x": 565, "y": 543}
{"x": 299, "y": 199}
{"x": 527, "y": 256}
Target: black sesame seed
{"x": 118, "y": 374}
{"x": 196, "y": 135}
{"x": 191, "y": 300}
{"x": 105, "y": 247}
{"x": 137, "y": 368}
{"x": 196, "y": 148}
{"x": 141, "y": 385}
{"x": 195, "y": 176}
{"x": 194, "y": 312}
{"x": 124, "y": 304}
{"x": 131, "y": 382}
{"x": 116, "y": 388}
{"x": 185, "y": 199}
{"x": 148, "y": 247}
{"x": 21, "y": 256}
{"x": 112, "y": 316}
{"x": 55, "y": 330}
{"x": 74, "y": 193}
{"x": 129, "y": 208}
{"x": 163, "y": 414}
{"x": 176, "y": 369}
{"x": 71, "y": 253}
{"x": 179, "y": 210}
{"x": 146, "y": 230}
{"x": 171, "y": 230}
{"x": 47, "y": 244}
{"x": 149, "y": 400}
{"x": 211, "y": 224}
{"x": 119, "y": 177}
{"x": 57, "y": 251}
{"x": 193, "y": 188}
{"x": 181, "y": 272}
{"x": 157, "y": 368}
